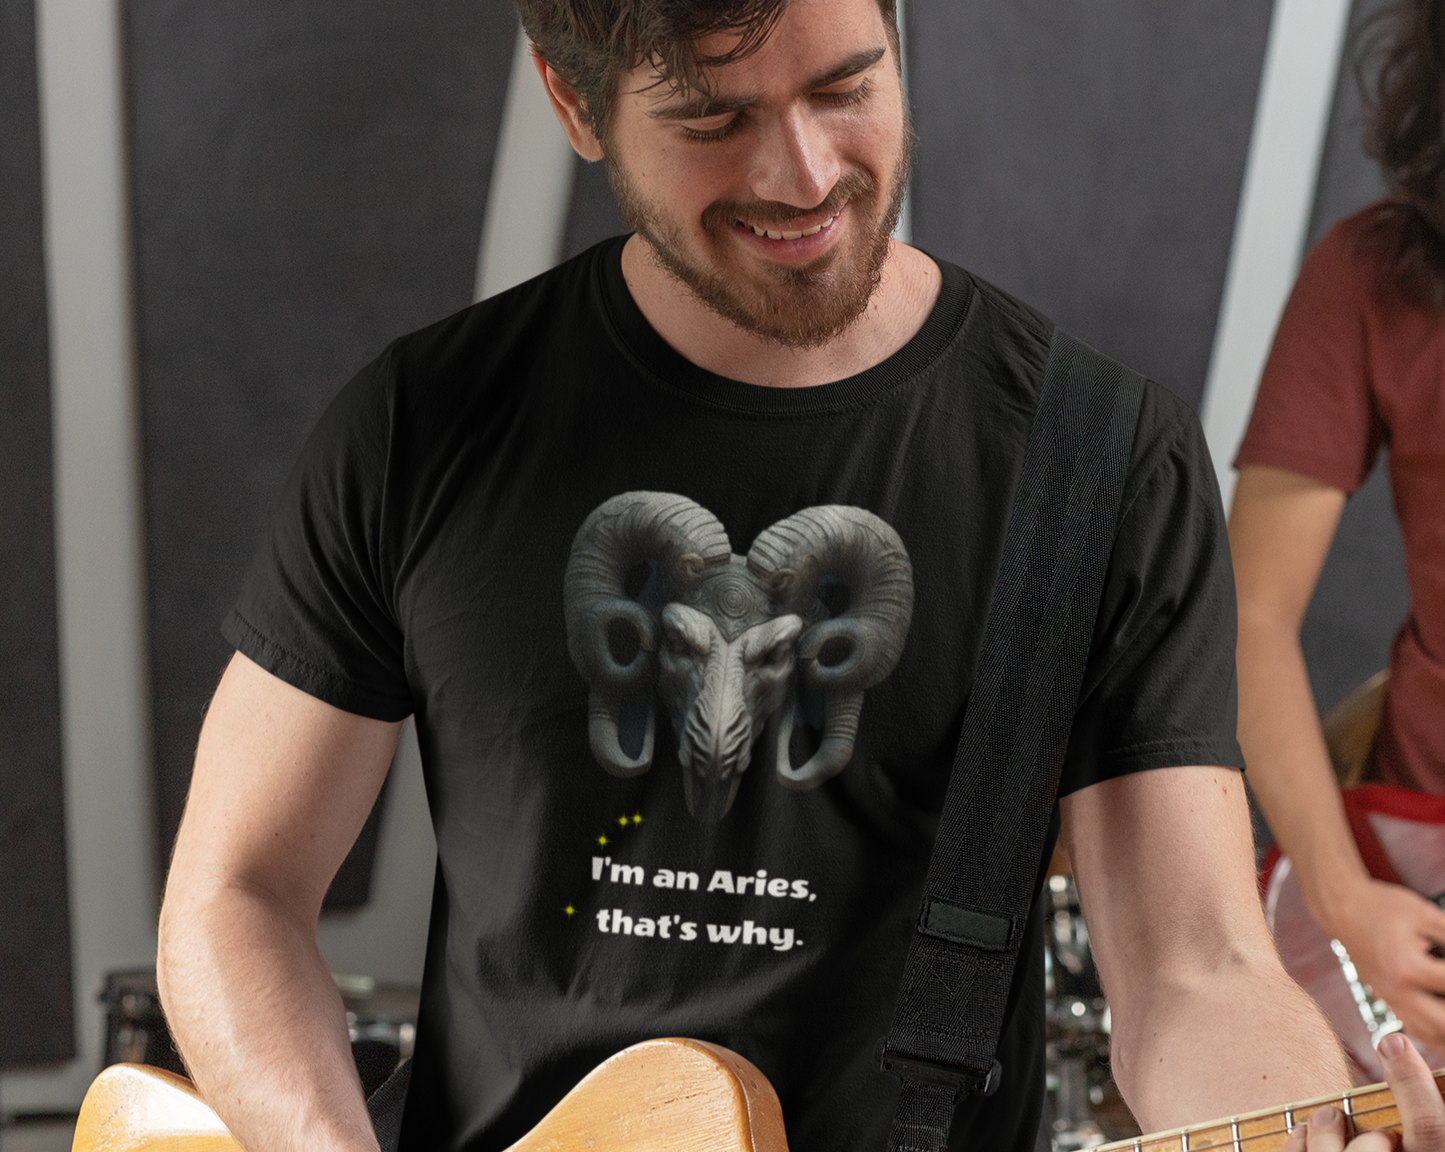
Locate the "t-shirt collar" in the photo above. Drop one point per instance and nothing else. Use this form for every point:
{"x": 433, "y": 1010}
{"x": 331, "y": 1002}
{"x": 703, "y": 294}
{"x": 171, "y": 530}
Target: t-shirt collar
{"x": 638, "y": 339}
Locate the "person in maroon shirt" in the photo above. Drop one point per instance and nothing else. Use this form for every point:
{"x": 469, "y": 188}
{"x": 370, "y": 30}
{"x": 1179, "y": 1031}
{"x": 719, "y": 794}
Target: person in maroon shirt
{"x": 1358, "y": 364}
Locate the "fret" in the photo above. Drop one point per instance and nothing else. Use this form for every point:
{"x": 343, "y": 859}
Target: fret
{"x": 1365, "y": 1109}
{"x": 1261, "y": 1133}
{"x": 1211, "y": 1137}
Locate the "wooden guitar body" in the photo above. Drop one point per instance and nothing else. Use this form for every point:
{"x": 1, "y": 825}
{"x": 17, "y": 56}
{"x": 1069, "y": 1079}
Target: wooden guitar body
{"x": 659, "y": 1096}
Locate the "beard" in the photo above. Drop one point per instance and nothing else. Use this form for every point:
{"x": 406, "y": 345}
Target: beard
{"x": 796, "y": 307}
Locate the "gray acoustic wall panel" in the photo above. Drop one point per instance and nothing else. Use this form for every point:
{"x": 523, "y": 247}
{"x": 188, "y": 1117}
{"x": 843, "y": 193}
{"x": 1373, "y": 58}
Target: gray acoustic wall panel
{"x": 592, "y": 215}
{"x": 309, "y": 181}
{"x": 1362, "y": 595}
{"x": 1087, "y": 156}
{"x": 36, "y": 1024}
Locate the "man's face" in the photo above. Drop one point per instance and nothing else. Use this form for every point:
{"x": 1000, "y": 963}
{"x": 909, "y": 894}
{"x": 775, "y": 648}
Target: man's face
{"x": 773, "y": 196}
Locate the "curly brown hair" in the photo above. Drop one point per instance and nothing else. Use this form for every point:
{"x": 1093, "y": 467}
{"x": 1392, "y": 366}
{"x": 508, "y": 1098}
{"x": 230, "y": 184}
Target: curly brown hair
{"x": 1404, "y": 47}
{"x": 592, "y": 44}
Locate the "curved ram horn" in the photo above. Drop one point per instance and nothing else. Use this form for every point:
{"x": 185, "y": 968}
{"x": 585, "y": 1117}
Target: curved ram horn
{"x": 838, "y": 658}
{"x": 611, "y": 637}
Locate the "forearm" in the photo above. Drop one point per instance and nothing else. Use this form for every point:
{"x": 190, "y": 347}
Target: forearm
{"x": 1211, "y": 1042}
{"x": 259, "y": 1023}
{"x": 1289, "y": 768}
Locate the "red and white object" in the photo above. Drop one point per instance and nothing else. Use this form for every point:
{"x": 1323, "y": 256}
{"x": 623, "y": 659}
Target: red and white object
{"x": 1401, "y": 837}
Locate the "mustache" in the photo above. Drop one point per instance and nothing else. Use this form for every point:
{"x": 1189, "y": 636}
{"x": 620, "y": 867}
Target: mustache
{"x": 852, "y": 185}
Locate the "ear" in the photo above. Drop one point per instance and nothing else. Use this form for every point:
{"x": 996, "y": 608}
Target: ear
{"x": 571, "y": 113}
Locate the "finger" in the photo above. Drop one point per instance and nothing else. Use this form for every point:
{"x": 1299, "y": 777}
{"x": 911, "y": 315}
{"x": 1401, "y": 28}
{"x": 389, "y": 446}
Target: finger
{"x": 1422, "y": 1112}
{"x": 1423, "y": 1014}
{"x": 1434, "y": 919}
{"x": 1425, "y": 972}
{"x": 1326, "y": 1130}
{"x": 1374, "y": 1142}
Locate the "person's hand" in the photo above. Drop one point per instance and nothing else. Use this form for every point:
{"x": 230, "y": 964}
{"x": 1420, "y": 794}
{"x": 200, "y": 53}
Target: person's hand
{"x": 1422, "y": 1112}
{"x": 1389, "y": 931}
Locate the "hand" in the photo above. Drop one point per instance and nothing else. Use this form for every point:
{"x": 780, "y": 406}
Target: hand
{"x": 1422, "y": 1112}
{"x": 1389, "y": 931}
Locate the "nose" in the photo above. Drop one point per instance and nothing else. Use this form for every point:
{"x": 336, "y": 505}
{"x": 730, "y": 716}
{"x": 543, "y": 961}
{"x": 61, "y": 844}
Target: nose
{"x": 795, "y": 161}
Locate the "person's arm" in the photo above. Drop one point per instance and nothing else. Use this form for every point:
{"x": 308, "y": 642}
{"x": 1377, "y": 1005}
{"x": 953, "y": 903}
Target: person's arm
{"x": 282, "y": 786}
{"x": 1205, "y": 1022}
{"x": 1280, "y": 530}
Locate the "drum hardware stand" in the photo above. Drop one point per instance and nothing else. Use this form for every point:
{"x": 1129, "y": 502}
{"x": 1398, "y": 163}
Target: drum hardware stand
{"x": 1077, "y": 1022}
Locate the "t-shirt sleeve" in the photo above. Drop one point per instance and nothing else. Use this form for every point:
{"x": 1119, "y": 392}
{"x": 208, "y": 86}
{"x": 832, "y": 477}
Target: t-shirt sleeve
{"x": 316, "y": 609}
{"x": 1314, "y": 413}
{"x": 1159, "y": 688}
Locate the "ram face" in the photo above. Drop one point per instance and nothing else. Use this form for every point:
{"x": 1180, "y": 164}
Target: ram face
{"x": 736, "y": 649}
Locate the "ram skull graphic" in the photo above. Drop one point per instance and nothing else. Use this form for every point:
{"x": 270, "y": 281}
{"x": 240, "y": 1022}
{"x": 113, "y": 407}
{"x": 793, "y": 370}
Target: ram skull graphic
{"x": 787, "y": 638}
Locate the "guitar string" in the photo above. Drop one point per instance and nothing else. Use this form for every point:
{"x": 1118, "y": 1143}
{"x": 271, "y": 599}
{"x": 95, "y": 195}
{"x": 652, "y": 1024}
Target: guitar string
{"x": 1242, "y": 1141}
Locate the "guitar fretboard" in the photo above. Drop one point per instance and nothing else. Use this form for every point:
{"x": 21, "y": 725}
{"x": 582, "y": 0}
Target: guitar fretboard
{"x": 1365, "y": 1109}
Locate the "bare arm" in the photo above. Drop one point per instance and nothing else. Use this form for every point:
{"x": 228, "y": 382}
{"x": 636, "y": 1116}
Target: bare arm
{"x": 1279, "y": 532}
{"x": 1205, "y": 1021}
{"x": 282, "y": 785}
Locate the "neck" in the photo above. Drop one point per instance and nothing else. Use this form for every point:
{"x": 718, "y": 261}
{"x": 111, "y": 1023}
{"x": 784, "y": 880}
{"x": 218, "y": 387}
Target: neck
{"x": 906, "y": 295}
{"x": 1365, "y": 1109}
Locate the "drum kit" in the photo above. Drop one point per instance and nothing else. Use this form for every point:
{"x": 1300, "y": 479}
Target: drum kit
{"x": 1083, "y": 1108}
{"x": 380, "y": 1017}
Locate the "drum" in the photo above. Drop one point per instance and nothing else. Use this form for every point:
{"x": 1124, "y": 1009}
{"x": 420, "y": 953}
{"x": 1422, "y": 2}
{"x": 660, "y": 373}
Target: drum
{"x": 1083, "y": 1108}
{"x": 135, "y": 1026}
{"x": 380, "y": 1019}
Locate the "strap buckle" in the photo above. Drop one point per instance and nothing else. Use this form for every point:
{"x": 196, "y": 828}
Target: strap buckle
{"x": 961, "y": 1080}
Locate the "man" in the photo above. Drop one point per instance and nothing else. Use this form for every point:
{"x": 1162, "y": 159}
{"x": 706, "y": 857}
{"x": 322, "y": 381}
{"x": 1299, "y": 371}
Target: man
{"x": 728, "y": 495}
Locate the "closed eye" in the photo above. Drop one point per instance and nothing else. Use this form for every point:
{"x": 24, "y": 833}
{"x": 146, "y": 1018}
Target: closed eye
{"x": 721, "y": 127}
{"x": 847, "y": 98}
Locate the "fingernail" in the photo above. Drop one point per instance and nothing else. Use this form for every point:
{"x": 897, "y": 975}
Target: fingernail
{"x": 1392, "y": 1046}
{"x": 1322, "y": 1116}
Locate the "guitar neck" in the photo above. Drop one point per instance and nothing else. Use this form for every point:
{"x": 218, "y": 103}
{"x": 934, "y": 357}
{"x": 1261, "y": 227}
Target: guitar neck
{"x": 1365, "y": 1109}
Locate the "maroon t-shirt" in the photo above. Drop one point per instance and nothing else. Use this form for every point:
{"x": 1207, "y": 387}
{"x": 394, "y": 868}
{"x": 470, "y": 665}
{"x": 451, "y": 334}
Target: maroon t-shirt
{"x": 1354, "y": 367}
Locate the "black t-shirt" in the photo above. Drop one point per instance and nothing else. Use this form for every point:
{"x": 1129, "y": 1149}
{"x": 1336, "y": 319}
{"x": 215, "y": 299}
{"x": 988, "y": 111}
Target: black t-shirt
{"x": 532, "y": 526}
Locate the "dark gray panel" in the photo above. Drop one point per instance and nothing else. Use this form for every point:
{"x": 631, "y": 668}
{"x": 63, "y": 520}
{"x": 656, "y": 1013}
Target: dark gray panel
{"x": 1087, "y": 156}
{"x": 36, "y": 1024}
{"x": 309, "y": 181}
{"x": 1348, "y": 178}
{"x": 1362, "y": 594}
{"x": 592, "y": 215}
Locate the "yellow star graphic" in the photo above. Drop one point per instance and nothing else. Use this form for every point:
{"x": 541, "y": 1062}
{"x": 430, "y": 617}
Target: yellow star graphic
{"x": 637, "y": 817}
{"x": 622, "y": 820}
{"x": 602, "y": 840}
{"x": 569, "y": 910}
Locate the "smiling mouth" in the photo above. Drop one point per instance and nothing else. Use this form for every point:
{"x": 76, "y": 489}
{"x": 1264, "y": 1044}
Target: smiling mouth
{"x": 772, "y": 234}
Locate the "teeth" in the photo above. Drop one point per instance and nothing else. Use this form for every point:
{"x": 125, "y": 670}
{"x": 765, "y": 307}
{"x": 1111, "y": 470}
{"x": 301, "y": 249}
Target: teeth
{"x": 813, "y": 231}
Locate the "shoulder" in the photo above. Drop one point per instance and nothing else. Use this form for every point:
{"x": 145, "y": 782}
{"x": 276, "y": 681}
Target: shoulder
{"x": 1010, "y": 341}
{"x": 1350, "y": 265}
{"x": 491, "y": 343}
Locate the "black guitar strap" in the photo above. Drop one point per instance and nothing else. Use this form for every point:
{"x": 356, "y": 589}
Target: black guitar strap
{"x": 982, "y": 876}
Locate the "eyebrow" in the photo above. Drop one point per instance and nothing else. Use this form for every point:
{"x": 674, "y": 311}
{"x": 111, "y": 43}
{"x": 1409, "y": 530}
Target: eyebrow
{"x": 702, "y": 106}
